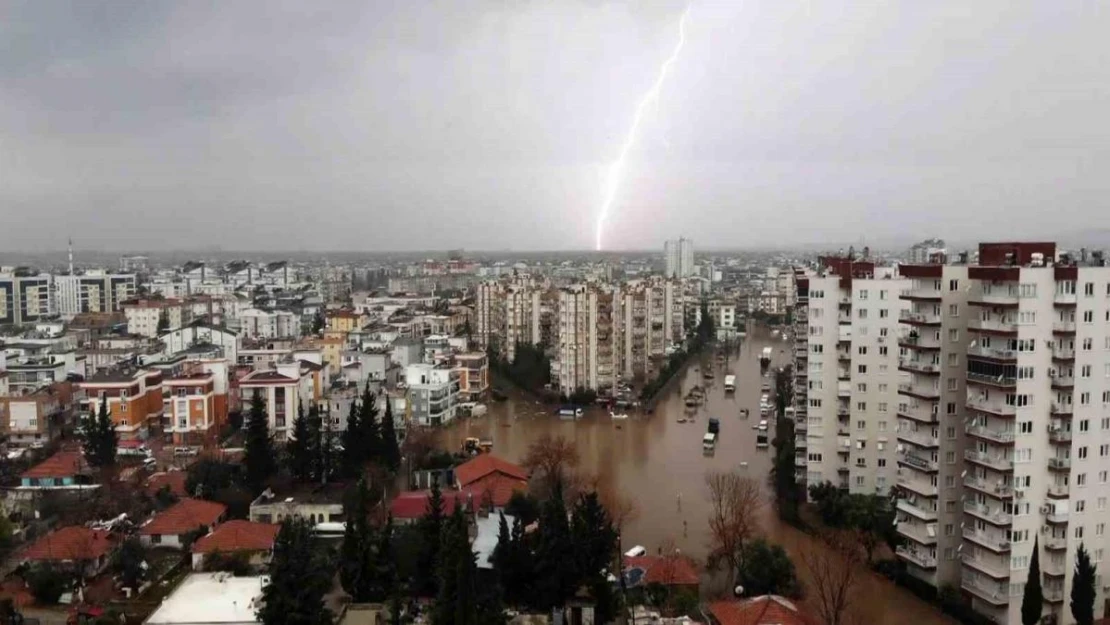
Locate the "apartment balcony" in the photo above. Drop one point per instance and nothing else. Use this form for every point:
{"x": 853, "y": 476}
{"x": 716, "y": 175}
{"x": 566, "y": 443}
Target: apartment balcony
{"x": 1059, "y": 491}
{"x": 999, "y": 489}
{"x": 917, "y": 366}
{"x": 1053, "y": 595}
{"x": 1063, "y": 327}
{"x": 994, "y": 515}
{"x": 1062, "y": 353}
{"x": 1055, "y": 543}
{"x": 842, "y": 413}
{"x": 999, "y": 381}
{"x": 919, "y": 413}
{"x": 917, "y": 462}
{"x": 921, "y": 487}
{"x": 1005, "y": 326}
{"x": 913, "y": 340}
{"x": 919, "y": 318}
{"x": 800, "y": 462}
{"x": 918, "y": 533}
{"x": 996, "y": 542}
{"x": 921, "y": 295}
{"x": 1053, "y": 567}
{"x": 994, "y": 435}
{"x": 1059, "y": 436}
{"x": 843, "y": 389}
{"x": 1060, "y": 410}
{"x": 992, "y": 461}
{"x": 991, "y": 566}
{"x": 920, "y": 438}
{"x": 919, "y": 391}
{"x": 1063, "y": 383}
{"x": 916, "y": 557}
{"x": 1059, "y": 464}
{"x": 993, "y": 353}
{"x": 1056, "y": 516}
{"x": 993, "y": 593}
{"x": 912, "y": 509}
{"x": 1064, "y": 299}
{"x": 995, "y": 407}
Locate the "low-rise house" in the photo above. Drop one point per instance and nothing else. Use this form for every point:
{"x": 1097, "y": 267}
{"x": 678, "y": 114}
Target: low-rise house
{"x": 473, "y": 371}
{"x": 318, "y": 504}
{"x": 671, "y": 570}
{"x": 81, "y": 549}
{"x": 36, "y": 418}
{"x": 63, "y": 470}
{"x": 174, "y": 481}
{"x": 410, "y": 506}
{"x": 490, "y": 481}
{"x": 211, "y": 599}
{"x": 171, "y": 527}
{"x": 762, "y": 610}
{"x": 254, "y": 540}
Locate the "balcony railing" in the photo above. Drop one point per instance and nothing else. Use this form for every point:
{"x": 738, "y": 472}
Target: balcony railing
{"x": 1064, "y": 327}
{"x": 993, "y": 380}
{"x": 991, "y": 434}
{"x": 919, "y": 557}
{"x": 999, "y": 463}
{"x": 919, "y": 318}
{"x": 992, "y": 352}
{"x": 996, "y": 542}
{"x": 1063, "y": 353}
{"x": 917, "y": 341}
{"x": 1060, "y": 409}
{"x": 918, "y": 366}
{"x": 918, "y": 390}
{"x": 987, "y": 591}
{"x": 1059, "y": 435}
{"x": 1055, "y": 543}
{"x": 991, "y": 567}
{"x": 925, "y": 514}
{"x": 995, "y": 488}
{"x": 916, "y": 532}
{"x": 993, "y": 325}
{"x": 921, "y": 294}
{"x": 1059, "y": 491}
{"x": 996, "y": 299}
{"x": 1059, "y": 464}
{"x": 918, "y": 437}
{"x": 995, "y": 515}
{"x": 1056, "y": 515}
{"x": 919, "y": 413}
{"x": 921, "y": 487}
{"x": 917, "y": 462}
{"x": 977, "y": 402}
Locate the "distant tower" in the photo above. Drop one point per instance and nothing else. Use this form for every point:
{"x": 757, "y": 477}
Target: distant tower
{"x": 71, "y": 256}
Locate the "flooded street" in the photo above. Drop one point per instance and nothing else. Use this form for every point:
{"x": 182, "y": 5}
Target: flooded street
{"x": 658, "y": 462}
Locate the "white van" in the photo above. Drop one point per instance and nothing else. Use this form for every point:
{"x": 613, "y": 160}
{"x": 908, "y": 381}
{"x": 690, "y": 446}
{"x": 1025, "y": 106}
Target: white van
{"x": 709, "y": 441}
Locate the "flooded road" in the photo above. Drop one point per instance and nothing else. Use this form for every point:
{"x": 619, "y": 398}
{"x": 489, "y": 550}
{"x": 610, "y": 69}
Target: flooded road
{"x": 658, "y": 462}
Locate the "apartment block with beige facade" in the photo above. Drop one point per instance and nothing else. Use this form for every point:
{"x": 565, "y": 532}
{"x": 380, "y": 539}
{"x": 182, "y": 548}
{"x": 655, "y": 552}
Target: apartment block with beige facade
{"x": 585, "y": 354}
{"x": 649, "y": 323}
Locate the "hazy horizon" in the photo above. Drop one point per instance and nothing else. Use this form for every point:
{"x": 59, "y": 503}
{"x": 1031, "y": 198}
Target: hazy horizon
{"x": 488, "y": 125}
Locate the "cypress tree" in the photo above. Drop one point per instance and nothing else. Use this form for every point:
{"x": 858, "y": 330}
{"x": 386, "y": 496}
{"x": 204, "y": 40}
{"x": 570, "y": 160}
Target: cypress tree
{"x": 371, "y": 430}
{"x": 556, "y": 573}
{"x": 356, "y": 555}
{"x": 391, "y": 451}
{"x": 1032, "y": 602}
{"x": 101, "y": 439}
{"x": 1083, "y": 588}
{"x": 354, "y": 455}
{"x": 299, "y": 578}
{"x": 431, "y": 529}
{"x": 258, "y": 452}
{"x": 301, "y": 449}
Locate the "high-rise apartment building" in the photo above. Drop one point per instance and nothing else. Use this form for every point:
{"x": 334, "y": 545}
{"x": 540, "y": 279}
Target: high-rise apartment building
{"x": 25, "y": 296}
{"x": 650, "y": 318}
{"x": 679, "y": 258}
{"x": 509, "y": 312}
{"x": 1020, "y": 459}
{"x": 586, "y": 352}
{"x": 923, "y": 252}
{"x": 852, "y": 378}
{"x": 94, "y": 291}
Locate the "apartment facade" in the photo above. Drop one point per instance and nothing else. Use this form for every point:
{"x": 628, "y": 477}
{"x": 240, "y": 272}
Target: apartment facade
{"x": 852, "y": 375}
{"x": 93, "y": 292}
{"x": 196, "y": 402}
{"x": 509, "y": 312}
{"x": 649, "y": 322}
{"x": 585, "y": 354}
{"x": 473, "y": 370}
{"x": 25, "y": 297}
{"x": 144, "y": 316}
{"x": 678, "y": 258}
{"x": 134, "y": 398}
{"x": 433, "y": 394}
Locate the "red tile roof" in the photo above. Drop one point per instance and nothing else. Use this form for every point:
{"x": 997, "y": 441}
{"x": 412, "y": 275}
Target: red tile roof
{"x": 765, "y": 610}
{"x": 70, "y": 543}
{"x": 413, "y": 504}
{"x": 484, "y": 464}
{"x": 183, "y": 517}
{"x": 174, "y": 479}
{"x": 61, "y": 464}
{"x": 238, "y": 535}
{"x": 495, "y": 489}
{"x": 666, "y": 570}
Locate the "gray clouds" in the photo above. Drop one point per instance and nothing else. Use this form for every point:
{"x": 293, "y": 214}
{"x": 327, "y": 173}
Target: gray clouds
{"x": 392, "y": 125}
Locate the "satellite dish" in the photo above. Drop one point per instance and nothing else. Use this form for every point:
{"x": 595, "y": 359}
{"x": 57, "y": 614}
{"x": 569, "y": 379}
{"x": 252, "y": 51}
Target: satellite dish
{"x": 738, "y": 591}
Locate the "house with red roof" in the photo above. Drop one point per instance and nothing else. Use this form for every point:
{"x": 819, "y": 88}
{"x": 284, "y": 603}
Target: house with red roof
{"x": 65, "y": 469}
{"x": 169, "y": 527}
{"x": 763, "y": 610}
{"x": 672, "y": 570}
{"x": 490, "y": 481}
{"x": 255, "y": 540}
{"x": 77, "y": 547}
{"x": 409, "y": 506}
{"x": 173, "y": 480}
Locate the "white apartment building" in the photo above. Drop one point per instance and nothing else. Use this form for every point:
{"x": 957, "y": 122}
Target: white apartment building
{"x": 852, "y": 375}
{"x": 94, "y": 291}
{"x": 433, "y": 393}
{"x": 933, "y": 342}
{"x": 255, "y": 323}
{"x": 586, "y": 350}
{"x": 509, "y": 312}
{"x": 25, "y": 297}
{"x": 143, "y": 316}
{"x": 649, "y": 321}
{"x": 679, "y": 258}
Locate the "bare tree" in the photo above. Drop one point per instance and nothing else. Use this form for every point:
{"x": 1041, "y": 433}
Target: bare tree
{"x": 834, "y": 573}
{"x": 735, "y": 502}
{"x": 551, "y": 459}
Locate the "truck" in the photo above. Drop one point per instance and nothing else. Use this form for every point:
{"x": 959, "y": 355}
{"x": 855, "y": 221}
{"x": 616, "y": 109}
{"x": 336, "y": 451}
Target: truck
{"x": 765, "y": 358}
{"x": 730, "y": 384}
{"x": 714, "y": 425}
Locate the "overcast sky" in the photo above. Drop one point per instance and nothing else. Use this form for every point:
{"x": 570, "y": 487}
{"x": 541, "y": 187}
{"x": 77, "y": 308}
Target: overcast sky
{"x": 272, "y": 125}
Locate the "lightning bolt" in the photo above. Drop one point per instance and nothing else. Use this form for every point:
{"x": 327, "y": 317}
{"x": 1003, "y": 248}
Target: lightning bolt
{"x": 616, "y": 169}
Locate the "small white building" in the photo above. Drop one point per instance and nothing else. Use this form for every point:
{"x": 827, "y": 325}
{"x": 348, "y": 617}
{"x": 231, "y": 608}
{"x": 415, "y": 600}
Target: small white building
{"x": 211, "y": 599}
{"x": 433, "y": 394}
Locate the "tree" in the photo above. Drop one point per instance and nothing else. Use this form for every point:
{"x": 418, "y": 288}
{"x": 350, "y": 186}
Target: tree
{"x": 873, "y": 516}
{"x": 371, "y": 436}
{"x": 766, "y": 569}
{"x": 556, "y": 573}
{"x": 301, "y": 449}
{"x": 356, "y": 554}
{"x": 735, "y": 502}
{"x": 391, "y": 451}
{"x": 595, "y": 538}
{"x": 299, "y": 578}
{"x": 523, "y": 506}
{"x": 1032, "y": 601}
{"x": 787, "y": 494}
{"x": 1083, "y": 588}
{"x": 101, "y": 439}
{"x": 319, "y": 322}
{"x": 129, "y": 562}
{"x": 46, "y": 583}
{"x": 207, "y": 477}
{"x": 163, "y": 322}
{"x": 457, "y": 600}
{"x": 834, "y": 573}
{"x": 354, "y": 451}
{"x": 326, "y": 457}
{"x": 549, "y": 459}
{"x": 431, "y": 529}
{"x": 258, "y": 452}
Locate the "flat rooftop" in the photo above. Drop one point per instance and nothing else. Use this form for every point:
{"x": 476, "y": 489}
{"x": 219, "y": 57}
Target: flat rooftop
{"x": 204, "y": 598}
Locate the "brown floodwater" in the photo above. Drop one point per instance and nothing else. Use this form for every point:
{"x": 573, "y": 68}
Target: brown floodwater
{"x": 658, "y": 462}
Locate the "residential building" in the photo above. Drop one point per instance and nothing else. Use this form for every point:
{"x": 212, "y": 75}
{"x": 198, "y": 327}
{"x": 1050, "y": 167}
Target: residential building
{"x": 432, "y": 394}
{"x": 490, "y": 481}
{"x": 199, "y": 333}
{"x": 473, "y": 368}
{"x": 173, "y": 526}
{"x": 762, "y": 610}
{"x": 133, "y": 396}
{"x": 256, "y": 323}
{"x": 196, "y": 403}
{"x": 36, "y": 418}
{"x": 509, "y": 312}
{"x": 853, "y": 380}
{"x": 148, "y": 317}
{"x": 586, "y": 352}
{"x": 317, "y": 504}
{"x": 211, "y": 598}
{"x": 254, "y": 540}
{"x": 925, "y": 252}
{"x": 25, "y": 296}
{"x": 63, "y": 470}
{"x": 649, "y": 322}
{"x": 92, "y": 292}
{"x": 80, "y": 549}
{"x": 281, "y": 392}
{"x": 410, "y": 506}
{"x": 679, "y": 258}
{"x": 933, "y": 346}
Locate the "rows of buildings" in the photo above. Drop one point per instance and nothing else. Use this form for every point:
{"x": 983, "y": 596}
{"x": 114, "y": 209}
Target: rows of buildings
{"x": 976, "y": 389}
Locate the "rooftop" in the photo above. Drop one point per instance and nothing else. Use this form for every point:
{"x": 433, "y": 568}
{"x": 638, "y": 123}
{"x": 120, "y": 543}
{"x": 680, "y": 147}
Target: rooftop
{"x": 70, "y": 543}
{"x": 61, "y": 464}
{"x": 174, "y": 479}
{"x": 485, "y": 464}
{"x": 763, "y": 610}
{"x": 210, "y": 598}
{"x": 183, "y": 517}
{"x": 238, "y": 535}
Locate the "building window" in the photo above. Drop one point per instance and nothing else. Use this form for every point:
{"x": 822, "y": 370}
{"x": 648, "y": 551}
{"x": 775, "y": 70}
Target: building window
{"x": 953, "y": 310}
